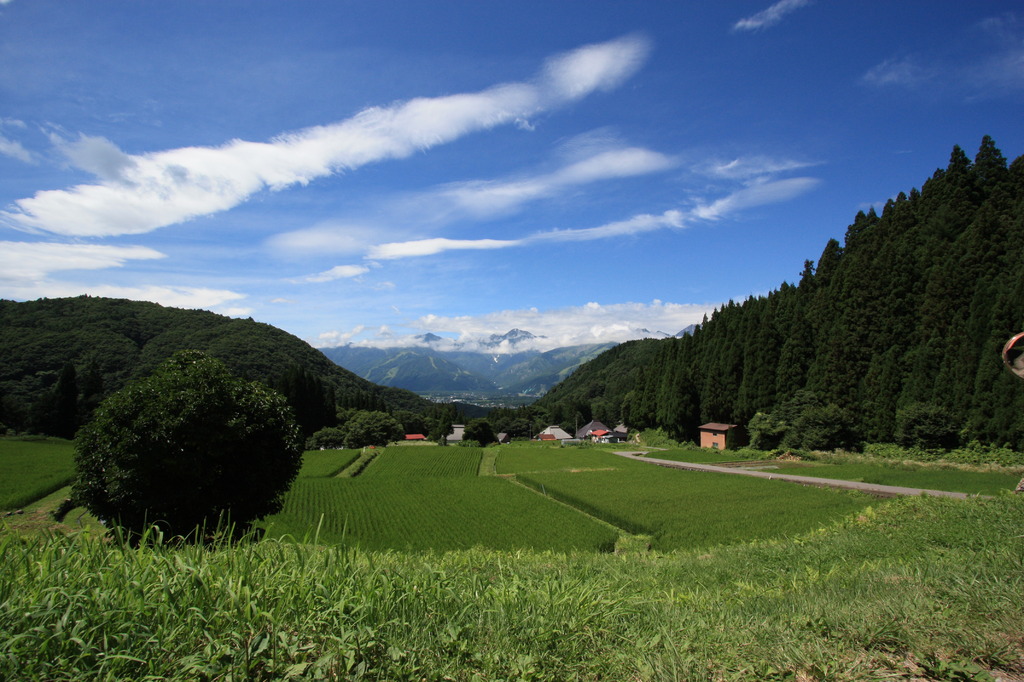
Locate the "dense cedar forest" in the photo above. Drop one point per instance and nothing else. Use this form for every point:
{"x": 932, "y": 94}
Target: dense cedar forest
{"x": 902, "y": 323}
{"x": 62, "y": 356}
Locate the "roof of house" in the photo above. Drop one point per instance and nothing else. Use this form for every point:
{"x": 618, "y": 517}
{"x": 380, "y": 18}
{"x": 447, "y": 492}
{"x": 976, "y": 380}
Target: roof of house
{"x": 591, "y": 428}
{"x": 600, "y": 432}
{"x": 555, "y": 431}
{"x": 415, "y": 436}
{"x": 714, "y": 426}
{"x": 457, "y": 434}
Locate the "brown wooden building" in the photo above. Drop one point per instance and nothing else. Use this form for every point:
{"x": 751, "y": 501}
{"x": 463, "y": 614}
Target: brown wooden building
{"x": 720, "y": 436}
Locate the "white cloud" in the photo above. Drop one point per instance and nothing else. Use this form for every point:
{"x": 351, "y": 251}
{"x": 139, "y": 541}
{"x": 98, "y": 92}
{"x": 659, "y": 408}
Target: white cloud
{"x": 635, "y": 225}
{"x": 475, "y": 199}
{"x": 904, "y": 71}
{"x": 194, "y": 298}
{"x": 15, "y": 150}
{"x": 603, "y": 66}
{"x": 33, "y": 261}
{"x": 574, "y": 325}
{"x": 326, "y": 238}
{"x": 756, "y": 195}
{"x": 484, "y": 198}
{"x": 338, "y": 272}
{"x": 769, "y": 17}
{"x": 97, "y": 155}
{"x": 140, "y": 193}
{"x": 743, "y": 168}
{"x": 430, "y": 247}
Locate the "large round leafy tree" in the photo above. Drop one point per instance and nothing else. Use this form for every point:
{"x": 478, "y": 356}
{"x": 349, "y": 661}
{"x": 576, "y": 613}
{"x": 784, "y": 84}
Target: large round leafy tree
{"x": 189, "y": 446}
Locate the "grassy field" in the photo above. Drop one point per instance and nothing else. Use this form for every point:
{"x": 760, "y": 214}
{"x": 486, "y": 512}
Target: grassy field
{"x": 33, "y": 468}
{"x": 929, "y": 478}
{"x": 915, "y": 588}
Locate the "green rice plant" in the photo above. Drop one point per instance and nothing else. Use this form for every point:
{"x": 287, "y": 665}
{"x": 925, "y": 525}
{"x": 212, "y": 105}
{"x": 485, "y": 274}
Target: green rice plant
{"x": 513, "y": 460}
{"x": 32, "y": 469}
{"x": 683, "y": 509}
{"x": 405, "y": 463}
{"x": 434, "y": 514}
{"x": 321, "y": 463}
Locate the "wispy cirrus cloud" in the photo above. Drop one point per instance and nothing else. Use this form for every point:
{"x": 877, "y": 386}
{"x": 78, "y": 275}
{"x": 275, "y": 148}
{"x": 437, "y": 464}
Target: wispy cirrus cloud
{"x": 770, "y": 16}
{"x": 139, "y": 193}
{"x": 486, "y": 198}
{"x": 759, "y": 194}
{"x": 989, "y": 62}
{"x": 13, "y": 148}
{"x": 744, "y": 168}
{"x": 434, "y": 246}
{"x": 897, "y": 71}
{"x": 336, "y": 273}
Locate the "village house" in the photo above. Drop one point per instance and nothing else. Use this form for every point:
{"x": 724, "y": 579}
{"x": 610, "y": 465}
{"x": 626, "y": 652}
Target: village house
{"x": 457, "y": 435}
{"x": 553, "y": 433}
{"x": 599, "y": 433}
{"x": 720, "y": 436}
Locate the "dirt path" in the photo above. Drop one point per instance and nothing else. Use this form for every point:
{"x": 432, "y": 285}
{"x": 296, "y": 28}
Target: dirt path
{"x": 870, "y": 488}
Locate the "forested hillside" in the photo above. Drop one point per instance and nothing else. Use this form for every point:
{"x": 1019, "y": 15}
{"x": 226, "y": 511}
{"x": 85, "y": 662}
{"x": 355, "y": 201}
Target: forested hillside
{"x": 60, "y": 357}
{"x": 899, "y": 326}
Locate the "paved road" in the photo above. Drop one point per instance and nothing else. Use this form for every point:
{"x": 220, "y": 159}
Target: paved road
{"x": 871, "y": 488}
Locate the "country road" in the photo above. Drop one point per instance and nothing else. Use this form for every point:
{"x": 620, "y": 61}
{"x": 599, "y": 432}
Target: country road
{"x": 870, "y": 488}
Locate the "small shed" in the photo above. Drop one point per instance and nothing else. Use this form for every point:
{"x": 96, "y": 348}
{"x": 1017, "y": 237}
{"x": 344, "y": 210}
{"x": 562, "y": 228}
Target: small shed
{"x": 504, "y": 438}
{"x": 719, "y": 436}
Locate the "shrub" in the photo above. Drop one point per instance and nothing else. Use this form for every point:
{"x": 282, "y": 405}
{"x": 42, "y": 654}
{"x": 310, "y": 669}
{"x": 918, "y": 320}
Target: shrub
{"x": 480, "y": 430}
{"x": 191, "y": 445}
{"x": 926, "y": 426}
{"x": 329, "y": 438}
{"x": 371, "y": 428}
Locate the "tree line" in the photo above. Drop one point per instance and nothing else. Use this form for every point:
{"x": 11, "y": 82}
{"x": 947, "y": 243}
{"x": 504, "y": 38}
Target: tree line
{"x": 893, "y": 335}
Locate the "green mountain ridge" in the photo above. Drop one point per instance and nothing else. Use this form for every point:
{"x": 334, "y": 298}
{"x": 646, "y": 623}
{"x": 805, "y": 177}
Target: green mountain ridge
{"x": 116, "y": 340}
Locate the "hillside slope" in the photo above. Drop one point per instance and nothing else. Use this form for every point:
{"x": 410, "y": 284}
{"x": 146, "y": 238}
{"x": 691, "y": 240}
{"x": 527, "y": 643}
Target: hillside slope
{"x": 909, "y": 313}
{"x": 116, "y": 340}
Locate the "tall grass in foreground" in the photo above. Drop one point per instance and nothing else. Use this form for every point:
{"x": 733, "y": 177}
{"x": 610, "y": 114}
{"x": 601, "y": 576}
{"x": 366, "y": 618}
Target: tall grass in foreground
{"x": 916, "y": 587}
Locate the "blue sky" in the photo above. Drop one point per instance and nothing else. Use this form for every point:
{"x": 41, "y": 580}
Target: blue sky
{"x": 366, "y": 171}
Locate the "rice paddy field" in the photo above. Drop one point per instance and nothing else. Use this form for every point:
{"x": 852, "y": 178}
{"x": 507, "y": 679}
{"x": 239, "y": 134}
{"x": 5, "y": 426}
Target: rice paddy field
{"x": 33, "y": 468}
{"x": 687, "y": 510}
{"x": 425, "y": 567}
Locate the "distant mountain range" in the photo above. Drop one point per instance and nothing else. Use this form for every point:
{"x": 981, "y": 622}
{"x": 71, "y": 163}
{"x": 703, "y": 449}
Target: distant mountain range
{"x": 501, "y": 363}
